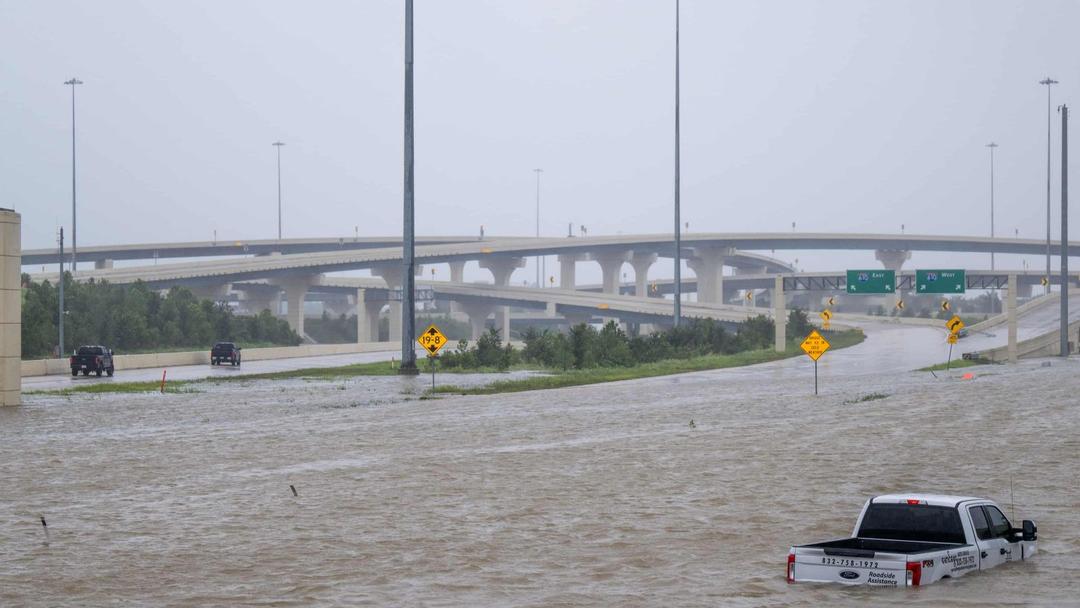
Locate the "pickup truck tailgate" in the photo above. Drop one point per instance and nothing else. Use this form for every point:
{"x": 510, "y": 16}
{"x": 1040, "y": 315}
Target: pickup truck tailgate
{"x": 880, "y": 570}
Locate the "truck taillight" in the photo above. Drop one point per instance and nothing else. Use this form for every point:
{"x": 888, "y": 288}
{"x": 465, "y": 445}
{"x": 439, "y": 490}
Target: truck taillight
{"x": 791, "y": 568}
{"x": 914, "y": 573}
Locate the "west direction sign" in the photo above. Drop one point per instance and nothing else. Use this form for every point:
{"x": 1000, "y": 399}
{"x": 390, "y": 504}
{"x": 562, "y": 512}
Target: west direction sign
{"x": 871, "y": 281}
{"x": 940, "y": 281}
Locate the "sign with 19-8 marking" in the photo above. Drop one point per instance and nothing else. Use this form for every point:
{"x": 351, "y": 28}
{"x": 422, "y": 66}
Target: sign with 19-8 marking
{"x": 432, "y": 340}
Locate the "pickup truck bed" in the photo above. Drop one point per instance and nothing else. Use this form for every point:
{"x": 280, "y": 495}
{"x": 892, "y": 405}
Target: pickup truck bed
{"x": 867, "y": 547}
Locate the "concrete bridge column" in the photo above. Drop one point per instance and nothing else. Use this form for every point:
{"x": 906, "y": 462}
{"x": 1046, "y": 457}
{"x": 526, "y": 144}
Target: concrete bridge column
{"x": 1010, "y": 309}
{"x": 457, "y": 276}
{"x": 478, "y": 313}
{"x": 102, "y": 265}
{"x": 708, "y": 267}
{"x": 641, "y": 263}
{"x": 393, "y": 274}
{"x": 367, "y": 317}
{"x": 611, "y": 263}
{"x": 10, "y": 308}
{"x": 256, "y": 301}
{"x": 576, "y": 318}
{"x": 568, "y": 270}
{"x": 779, "y": 314}
{"x": 892, "y": 259}
{"x": 296, "y": 289}
{"x": 502, "y": 268}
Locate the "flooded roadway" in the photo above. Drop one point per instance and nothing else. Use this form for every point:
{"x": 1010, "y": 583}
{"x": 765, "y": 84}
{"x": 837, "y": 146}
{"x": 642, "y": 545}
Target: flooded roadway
{"x": 591, "y": 496}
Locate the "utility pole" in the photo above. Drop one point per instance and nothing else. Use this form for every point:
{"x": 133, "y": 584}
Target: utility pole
{"x": 991, "y": 145}
{"x": 1064, "y": 109}
{"x": 60, "y": 308}
{"x": 74, "y": 252}
{"x": 539, "y": 259}
{"x": 278, "y": 144}
{"x": 1049, "y": 82}
{"x": 678, "y": 225}
{"x": 408, "y": 281}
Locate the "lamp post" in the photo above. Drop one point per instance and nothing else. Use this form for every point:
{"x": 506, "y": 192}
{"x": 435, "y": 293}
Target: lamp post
{"x": 60, "y": 307}
{"x": 991, "y": 145}
{"x": 408, "y": 280}
{"x": 278, "y": 144}
{"x": 1048, "y": 82}
{"x": 678, "y": 226}
{"x": 539, "y": 259}
{"x": 74, "y": 261}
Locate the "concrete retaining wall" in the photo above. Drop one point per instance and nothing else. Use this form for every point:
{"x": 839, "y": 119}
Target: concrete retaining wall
{"x": 1046, "y": 345}
{"x": 49, "y": 367}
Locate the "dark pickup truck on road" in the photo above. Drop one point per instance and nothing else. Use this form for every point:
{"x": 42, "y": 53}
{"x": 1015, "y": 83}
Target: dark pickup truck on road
{"x": 95, "y": 359}
{"x": 225, "y": 352}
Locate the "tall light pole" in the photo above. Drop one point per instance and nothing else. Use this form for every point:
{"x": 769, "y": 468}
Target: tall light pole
{"x": 60, "y": 307}
{"x": 278, "y": 144}
{"x": 74, "y": 262}
{"x": 408, "y": 281}
{"x": 1064, "y": 109}
{"x": 1048, "y": 82}
{"x": 539, "y": 273}
{"x": 678, "y": 226}
{"x": 991, "y": 145}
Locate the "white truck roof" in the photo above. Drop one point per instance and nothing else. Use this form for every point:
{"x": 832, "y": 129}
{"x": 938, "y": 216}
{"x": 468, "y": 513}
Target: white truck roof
{"x": 938, "y": 500}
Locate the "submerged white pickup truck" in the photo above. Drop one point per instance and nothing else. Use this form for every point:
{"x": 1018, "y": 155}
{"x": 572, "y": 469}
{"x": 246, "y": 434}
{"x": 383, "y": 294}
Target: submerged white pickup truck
{"x": 907, "y": 540}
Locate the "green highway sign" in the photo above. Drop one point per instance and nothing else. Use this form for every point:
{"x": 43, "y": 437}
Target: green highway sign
{"x": 940, "y": 281}
{"x": 871, "y": 281}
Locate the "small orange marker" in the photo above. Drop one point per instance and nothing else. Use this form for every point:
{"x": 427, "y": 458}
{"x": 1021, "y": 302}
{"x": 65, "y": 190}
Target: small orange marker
{"x": 967, "y": 376}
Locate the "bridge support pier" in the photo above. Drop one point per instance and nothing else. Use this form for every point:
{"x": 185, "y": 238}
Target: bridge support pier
{"x": 893, "y": 259}
{"x": 641, "y": 263}
{"x": 215, "y": 293}
{"x": 296, "y": 289}
{"x": 1010, "y": 309}
{"x": 394, "y": 277}
{"x": 611, "y": 263}
{"x": 478, "y": 313}
{"x": 457, "y": 276}
{"x": 502, "y": 268}
{"x": 568, "y": 270}
{"x": 708, "y": 267}
{"x": 779, "y": 315}
{"x": 367, "y": 317}
{"x": 103, "y": 264}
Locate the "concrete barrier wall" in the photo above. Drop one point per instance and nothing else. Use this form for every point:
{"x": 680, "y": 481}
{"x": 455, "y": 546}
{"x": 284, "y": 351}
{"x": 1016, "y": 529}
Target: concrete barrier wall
{"x": 49, "y": 367}
{"x": 1046, "y": 345}
{"x": 10, "y": 307}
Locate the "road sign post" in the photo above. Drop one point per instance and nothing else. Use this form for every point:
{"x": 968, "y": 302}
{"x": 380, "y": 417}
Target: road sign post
{"x": 432, "y": 339}
{"x": 814, "y": 346}
{"x": 954, "y": 325}
{"x": 871, "y": 281}
{"x": 940, "y": 281}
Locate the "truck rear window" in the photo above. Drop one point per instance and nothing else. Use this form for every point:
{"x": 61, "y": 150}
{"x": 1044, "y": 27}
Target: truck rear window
{"x": 91, "y": 350}
{"x": 924, "y": 523}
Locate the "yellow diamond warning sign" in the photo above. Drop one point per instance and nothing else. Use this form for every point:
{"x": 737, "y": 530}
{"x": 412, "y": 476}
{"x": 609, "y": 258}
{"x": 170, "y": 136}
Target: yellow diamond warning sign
{"x": 954, "y": 324}
{"x": 826, "y": 315}
{"x": 432, "y": 340}
{"x": 815, "y": 345}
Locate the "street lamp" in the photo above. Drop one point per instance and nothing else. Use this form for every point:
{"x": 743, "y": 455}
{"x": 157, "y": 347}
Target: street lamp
{"x": 539, "y": 259}
{"x": 678, "y": 227}
{"x": 73, "y": 82}
{"x": 278, "y": 144}
{"x": 1048, "y": 82}
{"x": 991, "y": 145}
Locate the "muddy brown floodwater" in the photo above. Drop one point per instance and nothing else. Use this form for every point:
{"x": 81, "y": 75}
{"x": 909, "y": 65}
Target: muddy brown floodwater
{"x": 592, "y": 496}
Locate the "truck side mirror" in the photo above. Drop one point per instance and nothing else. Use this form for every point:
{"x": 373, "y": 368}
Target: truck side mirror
{"x": 1031, "y": 531}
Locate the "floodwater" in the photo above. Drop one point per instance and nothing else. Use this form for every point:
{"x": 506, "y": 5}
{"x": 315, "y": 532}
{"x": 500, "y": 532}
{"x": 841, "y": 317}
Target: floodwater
{"x": 592, "y": 496}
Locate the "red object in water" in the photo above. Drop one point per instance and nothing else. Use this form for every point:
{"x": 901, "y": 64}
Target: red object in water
{"x": 967, "y": 376}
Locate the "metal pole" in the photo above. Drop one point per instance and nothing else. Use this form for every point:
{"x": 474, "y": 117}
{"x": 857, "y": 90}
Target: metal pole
{"x": 991, "y": 145}
{"x": 1064, "y": 109}
{"x": 1048, "y": 82}
{"x": 539, "y": 273}
{"x": 74, "y": 251}
{"x": 678, "y": 225}
{"x": 60, "y": 307}
{"x": 408, "y": 281}
{"x": 278, "y": 144}
{"x": 815, "y": 376}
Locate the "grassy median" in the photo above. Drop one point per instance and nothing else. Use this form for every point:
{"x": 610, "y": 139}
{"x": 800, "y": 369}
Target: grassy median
{"x": 595, "y": 375}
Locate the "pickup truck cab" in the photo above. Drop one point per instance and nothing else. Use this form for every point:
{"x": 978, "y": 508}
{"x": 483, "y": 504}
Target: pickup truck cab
{"x": 225, "y": 352}
{"x": 908, "y": 540}
{"x": 95, "y": 359}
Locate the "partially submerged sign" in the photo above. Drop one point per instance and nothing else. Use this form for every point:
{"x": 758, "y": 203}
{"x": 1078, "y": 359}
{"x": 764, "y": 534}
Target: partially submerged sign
{"x": 815, "y": 345}
{"x": 432, "y": 339}
{"x": 871, "y": 281}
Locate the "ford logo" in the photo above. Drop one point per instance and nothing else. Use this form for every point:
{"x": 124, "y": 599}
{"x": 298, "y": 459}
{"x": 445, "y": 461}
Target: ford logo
{"x": 849, "y": 575}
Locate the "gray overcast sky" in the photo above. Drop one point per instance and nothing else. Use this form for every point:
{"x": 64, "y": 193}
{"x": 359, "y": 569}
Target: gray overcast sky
{"x": 838, "y": 115}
